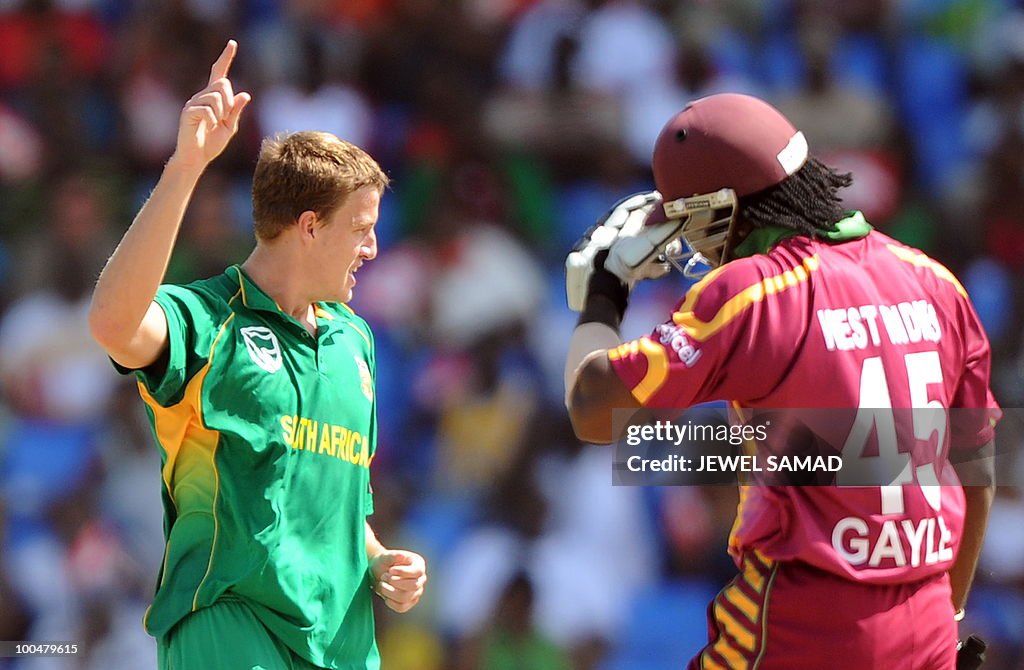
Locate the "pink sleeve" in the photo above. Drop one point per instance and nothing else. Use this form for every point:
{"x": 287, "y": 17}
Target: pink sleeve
{"x": 702, "y": 351}
{"x": 975, "y": 410}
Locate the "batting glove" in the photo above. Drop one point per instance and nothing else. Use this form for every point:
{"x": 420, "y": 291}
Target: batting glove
{"x": 620, "y": 244}
{"x": 970, "y": 654}
{"x": 641, "y": 251}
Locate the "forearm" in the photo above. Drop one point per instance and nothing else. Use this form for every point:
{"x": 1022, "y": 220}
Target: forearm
{"x": 976, "y": 471}
{"x": 130, "y": 279}
{"x": 593, "y": 389}
{"x": 597, "y": 330}
{"x": 979, "y": 501}
{"x": 373, "y": 545}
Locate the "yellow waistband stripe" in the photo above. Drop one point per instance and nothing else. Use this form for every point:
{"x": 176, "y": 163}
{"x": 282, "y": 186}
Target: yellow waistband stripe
{"x": 731, "y": 655}
{"x": 709, "y": 664}
{"x": 753, "y": 576}
{"x": 734, "y": 628}
{"x": 744, "y": 604}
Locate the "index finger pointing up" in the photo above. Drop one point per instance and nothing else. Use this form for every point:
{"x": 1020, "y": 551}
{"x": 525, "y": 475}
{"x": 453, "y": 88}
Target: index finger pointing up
{"x": 223, "y": 64}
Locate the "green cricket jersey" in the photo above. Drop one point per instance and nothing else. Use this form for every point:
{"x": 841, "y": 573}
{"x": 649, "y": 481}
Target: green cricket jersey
{"x": 266, "y": 435}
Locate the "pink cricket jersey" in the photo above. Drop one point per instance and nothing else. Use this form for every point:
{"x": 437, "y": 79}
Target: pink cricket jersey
{"x": 867, "y": 323}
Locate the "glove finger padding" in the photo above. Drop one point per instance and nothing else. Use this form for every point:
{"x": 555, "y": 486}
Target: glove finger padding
{"x": 640, "y": 249}
{"x": 626, "y": 215}
{"x": 580, "y": 264}
{"x": 643, "y": 254}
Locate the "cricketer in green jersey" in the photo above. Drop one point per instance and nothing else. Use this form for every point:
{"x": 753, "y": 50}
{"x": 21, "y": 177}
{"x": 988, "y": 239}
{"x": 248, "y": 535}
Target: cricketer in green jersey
{"x": 259, "y": 384}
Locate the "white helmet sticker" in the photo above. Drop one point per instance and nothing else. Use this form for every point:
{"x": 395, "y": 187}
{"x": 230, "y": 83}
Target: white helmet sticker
{"x": 794, "y": 154}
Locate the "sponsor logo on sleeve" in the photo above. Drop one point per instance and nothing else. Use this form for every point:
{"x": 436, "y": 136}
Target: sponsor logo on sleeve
{"x": 676, "y": 340}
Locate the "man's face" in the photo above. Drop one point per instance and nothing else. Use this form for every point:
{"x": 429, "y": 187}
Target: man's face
{"x": 344, "y": 242}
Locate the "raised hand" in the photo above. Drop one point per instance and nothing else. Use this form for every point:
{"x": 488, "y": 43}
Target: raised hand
{"x": 210, "y": 118}
{"x": 627, "y": 219}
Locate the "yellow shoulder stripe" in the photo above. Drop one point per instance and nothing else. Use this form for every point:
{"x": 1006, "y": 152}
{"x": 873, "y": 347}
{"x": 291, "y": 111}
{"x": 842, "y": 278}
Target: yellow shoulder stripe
{"x": 698, "y": 288}
{"x": 701, "y": 330}
{"x": 354, "y": 327}
{"x": 361, "y": 333}
{"x": 241, "y": 286}
{"x": 322, "y": 313}
{"x": 923, "y": 261}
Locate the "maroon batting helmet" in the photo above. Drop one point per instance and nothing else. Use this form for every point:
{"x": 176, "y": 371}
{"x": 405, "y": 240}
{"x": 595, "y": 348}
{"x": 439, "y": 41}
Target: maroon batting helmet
{"x": 716, "y": 150}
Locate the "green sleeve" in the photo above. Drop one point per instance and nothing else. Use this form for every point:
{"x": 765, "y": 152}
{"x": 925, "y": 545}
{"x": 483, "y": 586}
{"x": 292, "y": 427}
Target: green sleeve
{"x": 368, "y": 509}
{"x": 190, "y": 330}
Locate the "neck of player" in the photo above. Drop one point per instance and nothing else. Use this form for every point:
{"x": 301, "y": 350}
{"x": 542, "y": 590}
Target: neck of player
{"x": 272, "y": 268}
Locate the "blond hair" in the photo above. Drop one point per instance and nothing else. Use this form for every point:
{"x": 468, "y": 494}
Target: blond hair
{"x": 307, "y": 171}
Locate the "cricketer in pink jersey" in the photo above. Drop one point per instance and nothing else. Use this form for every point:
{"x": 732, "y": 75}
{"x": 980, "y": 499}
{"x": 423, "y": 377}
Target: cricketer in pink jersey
{"x": 808, "y": 307}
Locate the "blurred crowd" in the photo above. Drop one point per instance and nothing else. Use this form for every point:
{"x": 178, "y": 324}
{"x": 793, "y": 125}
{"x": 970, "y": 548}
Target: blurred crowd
{"x": 508, "y": 127}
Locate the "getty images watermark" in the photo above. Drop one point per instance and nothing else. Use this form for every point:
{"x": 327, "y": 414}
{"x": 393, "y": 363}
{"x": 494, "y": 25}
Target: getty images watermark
{"x": 734, "y": 435}
{"x": 808, "y": 447}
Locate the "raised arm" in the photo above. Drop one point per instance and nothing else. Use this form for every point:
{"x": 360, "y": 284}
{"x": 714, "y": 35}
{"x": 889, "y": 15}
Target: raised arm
{"x": 123, "y": 318}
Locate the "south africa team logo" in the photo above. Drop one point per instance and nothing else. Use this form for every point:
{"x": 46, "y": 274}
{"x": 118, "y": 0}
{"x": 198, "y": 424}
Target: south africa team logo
{"x": 365, "y": 379}
{"x": 263, "y": 347}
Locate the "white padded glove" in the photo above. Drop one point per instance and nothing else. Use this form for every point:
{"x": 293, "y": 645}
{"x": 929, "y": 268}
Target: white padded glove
{"x": 579, "y": 264}
{"x": 642, "y": 254}
{"x": 635, "y": 251}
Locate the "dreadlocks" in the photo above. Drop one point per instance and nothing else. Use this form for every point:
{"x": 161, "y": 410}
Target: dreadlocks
{"x": 808, "y": 201}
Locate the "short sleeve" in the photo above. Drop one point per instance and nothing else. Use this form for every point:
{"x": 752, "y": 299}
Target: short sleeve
{"x": 372, "y": 358}
{"x": 731, "y": 338}
{"x": 190, "y": 329}
{"x": 669, "y": 368}
{"x": 368, "y": 506}
{"x": 372, "y": 364}
{"x": 974, "y": 410}
{"x": 698, "y": 354}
